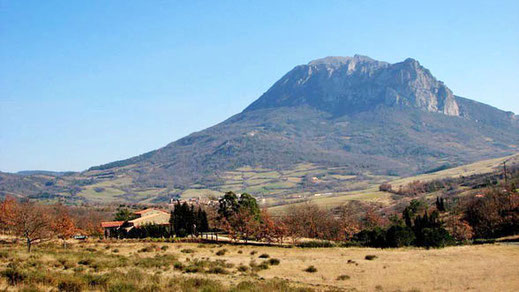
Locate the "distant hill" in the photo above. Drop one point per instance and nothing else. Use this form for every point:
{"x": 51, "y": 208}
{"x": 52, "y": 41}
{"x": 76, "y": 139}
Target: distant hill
{"x": 334, "y": 125}
{"x": 44, "y": 172}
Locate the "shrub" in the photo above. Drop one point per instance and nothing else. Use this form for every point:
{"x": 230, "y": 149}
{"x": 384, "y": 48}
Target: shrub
{"x": 122, "y": 286}
{"x": 243, "y": 268}
{"x": 85, "y": 262}
{"x": 4, "y": 254}
{"x": 95, "y": 281}
{"x": 164, "y": 247}
{"x": 398, "y": 236}
{"x": 221, "y": 252}
{"x": 14, "y": 275}
{"x": 436, "y": 237}
{"x": 253, "y": 252}
{"x": 316, "y": 243}
{"x": 343, "y": 277}
{"x": 71, "y": 284}
{"x": 217, "y": 270}
{"x": 158, "y": 261}
{"x": 274, "y": 262}
{"x": 192, "y": 269}
{"x": 147, "y": 249}
{"x": 263, "y": 266}
{"x": 178, "y": 266}
{"x": 187, "y": 250}
{"x": 370, "y": 257}
{"x": 194, "y": 284}
{"x": 311, "y": 269}
{"x": 264, "y": 256}
{"x": 115, "y": 250}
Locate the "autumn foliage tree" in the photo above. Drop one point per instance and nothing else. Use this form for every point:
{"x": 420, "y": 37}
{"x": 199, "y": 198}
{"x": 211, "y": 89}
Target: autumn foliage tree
{"x": 63, "y": 224}
{"x": 30, "y": 221}
{"x": 7, "y": 209}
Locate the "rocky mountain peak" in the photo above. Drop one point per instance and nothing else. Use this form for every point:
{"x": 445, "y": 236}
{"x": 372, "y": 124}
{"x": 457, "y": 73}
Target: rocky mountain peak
{"x": 344, "y": 85}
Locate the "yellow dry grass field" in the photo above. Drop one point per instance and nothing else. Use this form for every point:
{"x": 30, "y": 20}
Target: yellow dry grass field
{"x": 163, "y": 266}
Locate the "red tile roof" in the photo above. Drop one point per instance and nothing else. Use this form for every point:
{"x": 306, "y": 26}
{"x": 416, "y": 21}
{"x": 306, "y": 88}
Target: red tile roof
{"x": 109, "y": 224}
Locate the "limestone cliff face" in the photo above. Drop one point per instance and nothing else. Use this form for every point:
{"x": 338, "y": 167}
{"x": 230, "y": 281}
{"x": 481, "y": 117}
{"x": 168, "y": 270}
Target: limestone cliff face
{"x": 343, "y": 85}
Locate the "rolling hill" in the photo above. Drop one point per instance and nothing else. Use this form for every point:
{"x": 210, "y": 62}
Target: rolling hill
{"x": 334, "y": 125}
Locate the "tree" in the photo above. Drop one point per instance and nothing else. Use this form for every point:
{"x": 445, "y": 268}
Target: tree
{"x": 62, "y": 224}
{"x": 228, "y": 205}
{"x": 201, "y": 220}
{"x": 124, "y": 214}
{"x": 459, "y": 228}
{"x": 240, "y": 217}
{"x": 266, "y": 230}
{"x": 440, "y": 204}
{"x": 182, "y": 219}
{"x": 31, "y": 222}
{"x": 494, "y": 214}
{"x": 248, "y": 203}
{"x": 243, "y": 225}
{"x": 7, "y": 209}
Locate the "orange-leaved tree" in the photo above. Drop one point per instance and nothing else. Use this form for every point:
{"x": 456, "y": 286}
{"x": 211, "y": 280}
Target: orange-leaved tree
{"x": 62, "y": 224}
{"x": 30, "y": 221}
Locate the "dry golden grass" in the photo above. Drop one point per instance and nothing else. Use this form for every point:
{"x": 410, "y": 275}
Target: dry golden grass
{"x": 477, "y": 268}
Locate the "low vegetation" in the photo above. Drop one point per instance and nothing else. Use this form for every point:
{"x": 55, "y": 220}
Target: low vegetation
{"x": 91, "y": 266}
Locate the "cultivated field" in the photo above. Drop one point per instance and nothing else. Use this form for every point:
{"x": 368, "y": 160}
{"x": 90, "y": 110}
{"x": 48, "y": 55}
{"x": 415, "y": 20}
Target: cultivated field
{"x": 133, "y": 266}
{"x": 371, "y": 192}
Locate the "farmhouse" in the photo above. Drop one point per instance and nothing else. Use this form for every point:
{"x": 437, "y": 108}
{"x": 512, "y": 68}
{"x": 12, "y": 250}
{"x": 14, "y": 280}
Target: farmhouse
{"x": 148, "y": 216}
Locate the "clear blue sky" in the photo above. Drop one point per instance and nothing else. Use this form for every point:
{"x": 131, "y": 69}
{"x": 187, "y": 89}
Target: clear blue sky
{"x": 88, "y": 82}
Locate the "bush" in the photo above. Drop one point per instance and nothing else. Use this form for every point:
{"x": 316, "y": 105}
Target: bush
{"x": 343, "y": 277}
{"x": 217, "y": 270}
{"x": 311, "y": 269}
{"x": 178, "y": 266}
{"x": 85, "y": 262}
{"x": 370, "y": 257}
{"x": 375, "y": 237}
{"x": 194, "y": 284}
{"x": 399, "y": 236}
{"x": 122, "y": 286}
{"x": 14, "y": 275}
{"x": 147, "y": 249}
{"x": 264, "y": 256}
{"x": 221, "y": 252}
{"x": 187, "y": 250}
{"x": 242, "y": 268}
{"x": 436, "y": 237}
{"x": 263, "y": 266}
{"x": 274, "y": 262}
{"x": 71, "y": 285}
{"x": 192, "y": 269}
{"x": 96, "y": 281}
{"x": 316, "y": 244}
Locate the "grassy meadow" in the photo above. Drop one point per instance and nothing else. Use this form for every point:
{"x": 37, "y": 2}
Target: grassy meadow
{"x": 145, "y": 266}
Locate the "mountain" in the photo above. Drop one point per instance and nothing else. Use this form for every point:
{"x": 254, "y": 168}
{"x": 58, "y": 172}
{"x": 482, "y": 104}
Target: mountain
{"x": 332, "y": 125}
{"x": 43, "y": 172}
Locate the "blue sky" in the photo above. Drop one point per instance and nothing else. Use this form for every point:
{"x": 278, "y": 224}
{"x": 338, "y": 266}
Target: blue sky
{"x": 88, "y": 82}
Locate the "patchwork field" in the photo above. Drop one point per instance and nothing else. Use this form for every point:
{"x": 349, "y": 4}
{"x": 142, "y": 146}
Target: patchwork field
{"x": 372, "y": 193}
{"x": 137, "y": 266}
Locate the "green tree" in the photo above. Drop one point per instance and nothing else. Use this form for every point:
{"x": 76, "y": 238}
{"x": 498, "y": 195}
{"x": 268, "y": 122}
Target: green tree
{"x": 228, "y": 205}
{"x": 124, "y": 214}
{"x": 248, "y": 203}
